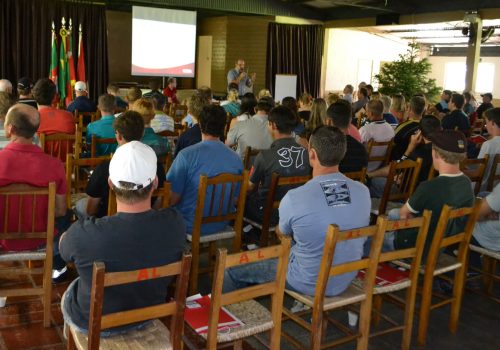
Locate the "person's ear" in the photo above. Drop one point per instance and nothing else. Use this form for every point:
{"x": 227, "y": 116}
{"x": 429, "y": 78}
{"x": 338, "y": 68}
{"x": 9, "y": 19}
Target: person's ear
{"x": 155, "y": 183}
{"x": 110, "y": 184}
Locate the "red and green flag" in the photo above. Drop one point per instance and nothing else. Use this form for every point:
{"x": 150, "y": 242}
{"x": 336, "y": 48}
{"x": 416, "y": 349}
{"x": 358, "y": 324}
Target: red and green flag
{"x": 81, "y": 58}
{"x": 63, "y": 68}
{"x": 70, "y": 84}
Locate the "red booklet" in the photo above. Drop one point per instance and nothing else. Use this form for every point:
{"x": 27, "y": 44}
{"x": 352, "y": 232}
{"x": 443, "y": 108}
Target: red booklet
{"x": 197, "y": 312}
{"x": 387, "y": 274}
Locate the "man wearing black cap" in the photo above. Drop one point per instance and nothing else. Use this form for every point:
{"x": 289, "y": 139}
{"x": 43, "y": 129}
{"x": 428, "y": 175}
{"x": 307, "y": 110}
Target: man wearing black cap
{"x": 451, "y": 187}
{"x": 487, "y": 98}
{"x": 24, "y": 86}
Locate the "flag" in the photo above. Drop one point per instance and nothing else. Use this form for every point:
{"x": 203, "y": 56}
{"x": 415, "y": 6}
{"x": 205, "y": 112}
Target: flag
{"x": 81, "y": 58}
{"x": 70, "y": 84}
{"x": 63, "y": 66}
{"x": 53, "y": 58}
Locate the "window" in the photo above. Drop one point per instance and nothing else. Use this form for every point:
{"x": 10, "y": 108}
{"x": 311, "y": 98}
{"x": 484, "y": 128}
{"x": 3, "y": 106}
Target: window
{"x": 454, "y": 77}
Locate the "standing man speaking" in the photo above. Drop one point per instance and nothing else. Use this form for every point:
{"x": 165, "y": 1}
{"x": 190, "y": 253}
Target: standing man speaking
{"x": 240, "y": 77}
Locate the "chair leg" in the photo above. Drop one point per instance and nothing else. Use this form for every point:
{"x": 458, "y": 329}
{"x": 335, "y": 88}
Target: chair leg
{"x": 365, "y": 311}
{"x": 377, "y": 308}
{"x": 70, "y": 345}
{"x": 489, "y": 267}
{"x": 458, "y": 291}
{"x": 238, "y": 345}
{"x": 195, "y": 262}
{"x": 411, "y": 295}
{"x": 211, "y": 258}
{"x": 425, "y": 309}
{"x": 47, "y": 294}
{"x": 316, "y": 329}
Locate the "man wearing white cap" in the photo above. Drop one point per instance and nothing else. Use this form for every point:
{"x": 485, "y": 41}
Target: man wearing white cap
{"x": 81, "y": 103}
{"x": 137, "y": 237}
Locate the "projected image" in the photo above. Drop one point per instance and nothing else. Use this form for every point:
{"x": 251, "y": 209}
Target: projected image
{"x": 163, "y": 42}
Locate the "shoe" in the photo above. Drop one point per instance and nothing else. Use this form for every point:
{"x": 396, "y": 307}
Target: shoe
{"x": 59, "y": 275}
{"x": 298, "y": 307}
{"x": 3, "y": 301}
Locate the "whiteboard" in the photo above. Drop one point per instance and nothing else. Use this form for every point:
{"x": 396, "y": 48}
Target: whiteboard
{"x": 286, "y": 85}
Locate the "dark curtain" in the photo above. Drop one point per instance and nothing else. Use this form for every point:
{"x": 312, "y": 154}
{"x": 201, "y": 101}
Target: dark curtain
{"x": 295, "y": 49}
{"x": 25, "y": 39}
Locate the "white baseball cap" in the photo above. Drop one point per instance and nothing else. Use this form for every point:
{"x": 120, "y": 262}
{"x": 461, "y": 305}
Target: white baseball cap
{"x": 133, "y": 162}
{"x": 80, "y": 86}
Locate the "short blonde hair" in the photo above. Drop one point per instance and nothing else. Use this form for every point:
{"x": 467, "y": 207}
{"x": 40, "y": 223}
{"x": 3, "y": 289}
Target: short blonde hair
{"x": 332, "y": 98}
{"x": 232, "y": 96}
{"x": 398, "y": 103}
{"x": 133, "y": 94}
{"x": 264, "y": 93}
{"x": 145, "y": 108}
{"x": 195, "y": 105}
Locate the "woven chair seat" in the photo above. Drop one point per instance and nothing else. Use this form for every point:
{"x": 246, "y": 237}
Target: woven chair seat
{"x": 351, "y": 295}
{"x": 155, "y": 336}
{"x": 390, "y": 206}
{"x": 255, "y": 317}
{"x": 484, "y": 251}
{"x": 387, "y": 288}
{"x": 228, "y": 232}
{"x": 259, "y": 226}
{"x": 23, "y": 255}
{"x": 444, "y": 264}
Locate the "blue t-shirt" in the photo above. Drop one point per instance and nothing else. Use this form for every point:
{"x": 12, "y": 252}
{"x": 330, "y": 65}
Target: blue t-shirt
{"x": 82, "y": 104}
{"x": 305, "y": 214}
{"x": 102, "y": 128}
{"x": 209, "y": 158}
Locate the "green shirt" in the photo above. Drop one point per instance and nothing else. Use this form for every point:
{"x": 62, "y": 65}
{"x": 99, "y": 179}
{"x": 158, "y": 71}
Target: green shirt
{"x": 455, "y": 191}
{"x": 159, "y": 144}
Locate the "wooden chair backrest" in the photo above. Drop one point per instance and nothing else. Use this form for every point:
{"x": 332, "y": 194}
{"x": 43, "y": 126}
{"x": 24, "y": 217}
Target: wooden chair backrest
{"x": 96, "y": 141}
{"x": 477, "y": 127}
{"x": 250, "y": 154}
{"x": 224, "y": 210}
{"x": 274, "y": 288}
{"x": 163, "y": 193}
{"x": 175, "y": 308}
{"x": 403, "y": 176}
{"x": 166, "y": 161}
{"x": 76, "y": 180}
{"x": 178, "y": 112}
{"x": 441, "y": 240}
{"x": 475, "y": 169}
{"x": 493, "y": 176}
{"x": 384, "y": 158}
{"x": 369, "y": 264}
{"x": 85, "y": 118}
{"x": 59, "y": 144}
{"x": 357, "y": 175}
{"x": 168, "y": 133}
{"x": 167, "y": 107}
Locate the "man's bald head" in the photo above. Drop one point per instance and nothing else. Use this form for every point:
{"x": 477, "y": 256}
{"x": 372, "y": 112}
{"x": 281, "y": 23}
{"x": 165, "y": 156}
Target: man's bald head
{"x": 23, "y": 120}
{"x": 5, "y": 86}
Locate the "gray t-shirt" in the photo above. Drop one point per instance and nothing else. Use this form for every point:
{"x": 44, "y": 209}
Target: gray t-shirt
{"x": 306, "y": 212}
{"x": 243, "y": 84}
{"x": 491, "y": 147}
{"x": 252, "y": 132}
{"x": 487, "y": 232}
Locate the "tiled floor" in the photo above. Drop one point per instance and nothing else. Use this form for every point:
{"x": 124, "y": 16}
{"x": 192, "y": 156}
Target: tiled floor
{"x": 21, "y": 326}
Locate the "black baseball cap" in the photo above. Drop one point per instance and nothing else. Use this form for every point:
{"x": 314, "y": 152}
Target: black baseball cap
{"x": 488, "y": 95}
{"x": 449, "y": 140}
{"x": 24, "y": 83}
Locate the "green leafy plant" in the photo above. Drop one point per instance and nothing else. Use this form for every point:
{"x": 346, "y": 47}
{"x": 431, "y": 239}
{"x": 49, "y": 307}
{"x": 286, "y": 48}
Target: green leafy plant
{"x": 408, "y": 76}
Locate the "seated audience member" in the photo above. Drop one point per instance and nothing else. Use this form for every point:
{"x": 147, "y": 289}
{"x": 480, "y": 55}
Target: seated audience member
{"x": 332, "y": 98}
{"x": 209, "y": 157}
{"x": 388, "y": 117}
{"x": 375, "y": 95}
{"x": 300, "y": 129}
{"x": 317, "y": 115}
{"x": 24, "y": 86}
{"x": 81, "y": 103}
{"x": 398, "y": 107}
{"x": 133, "y": 95}
{"x": 128, "y": 127}
{"x": 369, "y": 90}
{"x": 305, "y": 213}
{"x": 205, "y": 93}
{"x": 192, "y": 135}
{"x": 103, "y": 128}
{"x": 356, "y": 157}
{"x": 247, "y": 108}
{"x": 487, "y": 230}
{"x": 6, "y": 86}
{"x": 170, "y": 91}
{"x": 5, "y": 103}
{"x": 361, "y": 102}
{"x": 487, "y": 98}
{"x": 420, "y": 146}
{"x": 285, "y": 157}
{"x": 404, "y": 130}
{"x": 377, "y": 129}
{"x": 264, "y": 93}
{"x": 451, "y": 187}
{"x": 136, "y": 237}
{"x": 52, "y": 120}
{"x": 114, "y": 90}
{"x": 252, "y": 132}
{"x": 470, "y": 104}
{"x": 305, "y": 105}
{"x": 352, "y": 130}
{"x": 232, "y": 106}
{"x": 492, "y": 146}
{"x": 456, "y": 119}
{"x": 347, "y": 93}
{"x": 23, "y": 162}
{"x": 442, "y": 106}
{"x": 159, "y": 144}
{"x": 161, "y": 121}
{"x": 155, "y": 92}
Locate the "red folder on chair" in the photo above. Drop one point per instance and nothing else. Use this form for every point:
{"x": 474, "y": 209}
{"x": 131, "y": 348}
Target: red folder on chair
{"x": 387, "y": 274}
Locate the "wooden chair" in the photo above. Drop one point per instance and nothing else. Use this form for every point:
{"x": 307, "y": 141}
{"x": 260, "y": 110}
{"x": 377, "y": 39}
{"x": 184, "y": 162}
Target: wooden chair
{"x": 162, "y": 196}
{"x": 78, "y": 171}
{"x": 250, "y": 155}
{"x": 59, "y": 145}
{"x": 154, "y": 336}
{"x": 400, "y": 184}
{"x": 217, "y": 212}
{"x": 374, "y": 146}
{"x": 357, "y": 175}
{"x": 489, "y": 269}
{"x": 85, "y": 118}
{"x": 178, "y": 112}
{"x": 273, "y": 204}
{"x": 437, "y": 264}
{"x": 477, "y": 126}
{"x": 96, "y": 141}
{"x": 255, "y": 317}
{"x": 320, "y": 304}
{"x": 16, "y": 225}
{"x": 475, "y": 169}
{"x": 166, "y": 161}
{"x": 410, "y": 283}
{"x": 493, "y": 177}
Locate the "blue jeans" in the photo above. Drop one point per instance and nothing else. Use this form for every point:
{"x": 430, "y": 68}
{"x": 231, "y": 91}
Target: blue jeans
{"x": 388, "y": 244}
{"x": 239, "y": 277}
